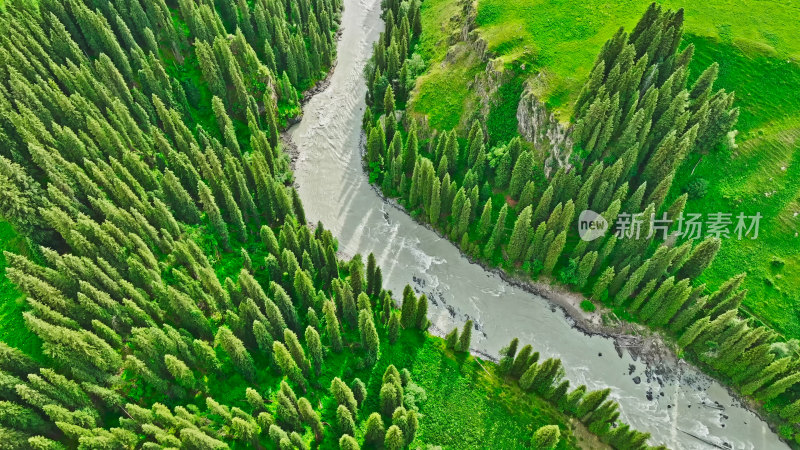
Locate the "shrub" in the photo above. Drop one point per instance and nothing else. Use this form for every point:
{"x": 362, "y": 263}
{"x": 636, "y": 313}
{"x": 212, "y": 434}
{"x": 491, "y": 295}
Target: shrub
{"x": 697, "y": 188}
{"x": 588, "y": 306}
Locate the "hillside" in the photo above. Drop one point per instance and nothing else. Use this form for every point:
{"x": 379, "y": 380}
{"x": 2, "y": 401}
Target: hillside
{"x": 162, "y": 286}
{"x": 556, "y": 43}
{"x": 649, "y": 109}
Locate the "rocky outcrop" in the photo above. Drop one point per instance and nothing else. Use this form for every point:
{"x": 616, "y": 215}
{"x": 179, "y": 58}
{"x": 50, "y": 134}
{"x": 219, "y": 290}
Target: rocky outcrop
{"x": 486, "y": 84}
{"x": 541, "y": 127}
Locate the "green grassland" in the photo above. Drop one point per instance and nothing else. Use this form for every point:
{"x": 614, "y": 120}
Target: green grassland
{"x": 443, "y": 91}
{"x": 757, "y": 48}
{"x": 466, "y": 404}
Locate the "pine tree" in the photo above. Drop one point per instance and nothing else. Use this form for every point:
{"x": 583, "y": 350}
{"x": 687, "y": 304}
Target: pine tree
{"x": 309, "y": 416}
{"x": 345, "y": 421}
{"x": 212, "y": 212}
{"x": 344, "y": 395}
{"x": 288, "y": 365}
{"x": 314, "y": 348}
{"x": 791, "y": 412}
{"x": 486, "y": 219}
{"x": 296, "y": 350}
{"x": 347, "y": 442}
{"x": 369, "y": 335}
{"x": 585, "y": 268}
{"x": 179, "y": 371}
{"x": 778, "y": 387}
{"x": 451, "y": 340}
{"x": 527, "y": 197}
{"x": 518, "y": 242}
{"x": 520, "y": 364}
{"x": 543, "y": 207}
{"x": 508, "y": 354}
{"x": 701, "y": 257}
{"x": 546, "y": 437}
{"x": 371, "y": 265}
{"x": 394, "y": 327}
{"x": 465, "y": 338}
{"x": 236, "y": 351}
{"x": 591, "y": 401}
{"x": 332, "y": 326}
{"x": 498, "y": 232}
{"x": 394, "y": 439}
{"x": 375, "y": 432}
{"x": 408, "y": 308}
{"x": 464, "y": 216}
{"x": 434, "y": 203}
{"x": 388, "y": 102}
{"x": 554, "y": 252}
{"x": 522, "y": 173}
{"x": 503, "y": 170}
{"x": 359, "y": 390}
{"x": 421, "y": 316}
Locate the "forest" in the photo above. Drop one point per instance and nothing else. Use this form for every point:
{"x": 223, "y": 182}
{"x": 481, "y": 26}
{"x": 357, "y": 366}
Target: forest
{"x": 514, "y": 204}
{"x": 163, "y": 287}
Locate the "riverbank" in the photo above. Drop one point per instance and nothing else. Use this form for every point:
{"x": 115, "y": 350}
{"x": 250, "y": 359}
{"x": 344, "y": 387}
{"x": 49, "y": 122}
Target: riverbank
{"x": 335, "y": 190}
{"x": 641, "y": 343}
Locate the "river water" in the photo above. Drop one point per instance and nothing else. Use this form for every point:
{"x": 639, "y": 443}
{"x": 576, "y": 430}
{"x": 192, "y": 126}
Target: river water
{"x": 335, "y": 190}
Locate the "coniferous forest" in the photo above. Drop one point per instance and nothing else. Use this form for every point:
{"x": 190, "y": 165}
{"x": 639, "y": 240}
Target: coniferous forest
{"x": 515, "y": 206}
{"x": 172, "y": 294}
{"x": 163, "y": 286}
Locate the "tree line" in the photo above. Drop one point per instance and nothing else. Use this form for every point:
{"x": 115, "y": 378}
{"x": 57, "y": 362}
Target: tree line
{"x": 635, "y": 121}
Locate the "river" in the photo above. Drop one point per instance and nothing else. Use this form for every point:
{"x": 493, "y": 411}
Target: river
{"x": 335, "y": 190}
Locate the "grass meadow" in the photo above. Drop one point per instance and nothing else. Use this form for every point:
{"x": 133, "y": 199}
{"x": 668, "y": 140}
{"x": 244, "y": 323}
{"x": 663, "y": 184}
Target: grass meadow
{"x": 758, "y": 50}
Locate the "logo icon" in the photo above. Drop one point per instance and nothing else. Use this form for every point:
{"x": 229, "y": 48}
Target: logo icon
{"x": 591, "y": 225}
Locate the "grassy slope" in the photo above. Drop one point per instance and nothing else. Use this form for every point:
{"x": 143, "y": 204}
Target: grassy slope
{"x": 467, "y": 405}
{"x": 442, "y": 92}
{"x": 757, "y": 48}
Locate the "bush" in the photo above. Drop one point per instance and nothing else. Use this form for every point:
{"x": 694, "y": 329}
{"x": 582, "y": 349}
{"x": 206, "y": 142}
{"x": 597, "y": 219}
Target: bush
{"x": 697, "y": 188}
{"x": 588, "y": 306}
{"x": 534, "y": 268}
{"x": 569, "y": 274}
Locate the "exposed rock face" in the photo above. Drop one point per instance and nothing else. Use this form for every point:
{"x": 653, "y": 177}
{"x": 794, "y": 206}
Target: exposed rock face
{"x": 537, "y": 125}
{"x": 485, "y": 86}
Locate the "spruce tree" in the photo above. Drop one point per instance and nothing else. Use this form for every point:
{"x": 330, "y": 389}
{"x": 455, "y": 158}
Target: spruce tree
{"x": 347, "y": 442}
{"x": 345, "y": 421}
{"x": 314, "y": 348}
{"x": 408, "y": 308}
{"x": 393, "y": 327}
{"x": 486, "y": 219}
{"x": 465, "y": 338}
{"x": 214, "y": 216}
{"x": 288, "y": 365}
{"x": 546, "y": 437}
{"x": 236, "y": 351}
{"x": 394, "y": 439}
{"x": 369, "y": 335}
{"x": 523, "y": 170}
{"x": 421, "y": 316}
{"x": 520, "y": 236}
{"x": 375, "y": 432}
{"x": 332, "y": 326}
{"x": 701, "y": 257}
{"x": 344, "y": 395}
{"x": 554, "y": 252}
